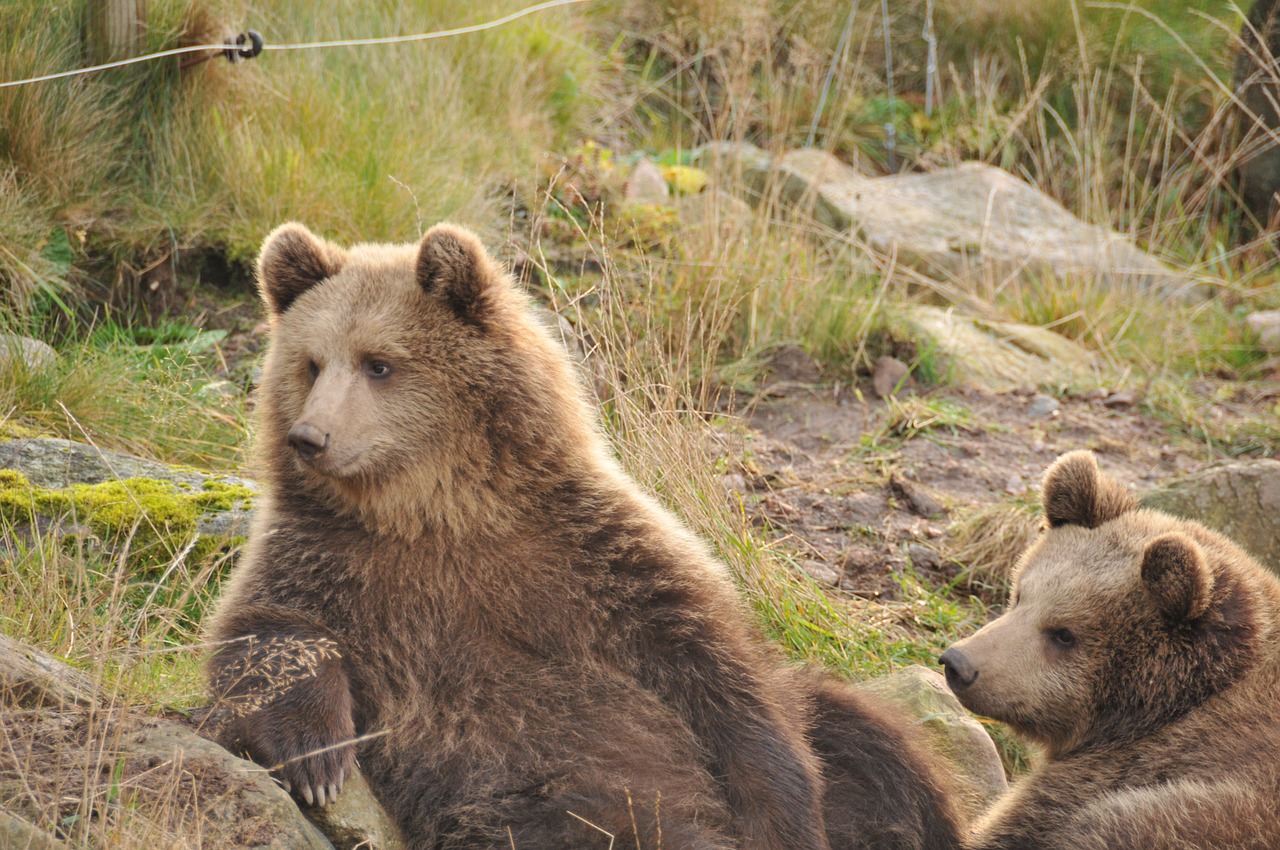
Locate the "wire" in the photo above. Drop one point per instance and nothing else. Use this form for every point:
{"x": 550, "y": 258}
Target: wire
{"x": 313, "y": 45}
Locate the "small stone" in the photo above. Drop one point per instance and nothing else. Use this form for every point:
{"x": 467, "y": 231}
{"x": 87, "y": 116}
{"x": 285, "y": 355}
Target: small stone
{"x": 34, "y": 355}
{"x": 1124, "y": 398}
{"x": 922, "y": 557}
{"x": 1015, "y": 486}
{"x": 914, "y": 498}
{"x": 645, "y": 185}
{"x": 1266, "y": 325}
{"x": 822, "y": 573}
{"x": 891, "y": 376}
{"x": 1096, "y": 394}
{"x": 1042, "y": 405}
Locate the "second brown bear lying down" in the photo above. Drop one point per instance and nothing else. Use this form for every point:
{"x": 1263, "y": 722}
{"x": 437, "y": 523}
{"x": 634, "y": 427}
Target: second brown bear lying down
{"x": 1142, "y": 652}
{"x": 449, "y": 561}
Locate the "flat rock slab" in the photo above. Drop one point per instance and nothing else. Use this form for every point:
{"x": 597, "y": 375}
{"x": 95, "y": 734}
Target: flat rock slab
{"x": 999, "y": 356}
{"x": 970, "y": 221}
{"x": 922, "y": 694}
{"x": 52, "y": 463}
{"x": 1239, "y": 499}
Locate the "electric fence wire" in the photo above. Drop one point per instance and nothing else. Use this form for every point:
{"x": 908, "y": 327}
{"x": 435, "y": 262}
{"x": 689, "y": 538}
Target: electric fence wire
{"x": 312, "y": 45}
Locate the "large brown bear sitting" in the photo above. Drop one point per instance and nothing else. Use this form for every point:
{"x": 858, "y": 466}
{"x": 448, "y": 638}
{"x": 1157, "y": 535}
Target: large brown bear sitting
{"x": 449, "y": 563}
{"x": 1142, "y": 652}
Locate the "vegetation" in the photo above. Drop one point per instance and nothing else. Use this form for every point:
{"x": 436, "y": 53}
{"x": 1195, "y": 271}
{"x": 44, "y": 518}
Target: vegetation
{"x": 132, "y": 202}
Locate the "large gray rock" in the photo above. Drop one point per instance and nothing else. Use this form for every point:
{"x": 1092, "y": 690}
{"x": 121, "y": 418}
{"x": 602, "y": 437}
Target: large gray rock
{"x": 998, "y": 356}
{"x": 53, "y": 463}
{"x": 922, "y": 695}
{"x": 970, "y": 221}
{"x": 1239, "y": 499}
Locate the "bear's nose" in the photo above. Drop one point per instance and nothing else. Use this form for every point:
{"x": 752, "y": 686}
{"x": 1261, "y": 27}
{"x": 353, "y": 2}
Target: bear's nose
{"x": 308, "y": 440}
{"x": 960, "y": 670}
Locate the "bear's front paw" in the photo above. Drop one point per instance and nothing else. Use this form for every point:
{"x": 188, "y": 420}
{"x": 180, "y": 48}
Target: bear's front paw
{"x": 310, "y": 755}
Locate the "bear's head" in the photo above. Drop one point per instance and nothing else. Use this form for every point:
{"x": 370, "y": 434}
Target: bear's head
{"x": 1120, "y": 619}
{"x": 411, "y": 385}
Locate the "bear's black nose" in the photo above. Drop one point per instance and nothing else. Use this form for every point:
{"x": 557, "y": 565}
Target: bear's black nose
{"x": 308, "y": 440}
{"x": 960, "y": 670}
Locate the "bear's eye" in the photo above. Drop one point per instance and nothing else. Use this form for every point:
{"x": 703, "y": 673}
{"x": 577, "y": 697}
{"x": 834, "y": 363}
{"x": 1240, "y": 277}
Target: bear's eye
{"x": 377, "y": 368}
{"x": 1062, "y": 638}
{"x": 313, "y": 369}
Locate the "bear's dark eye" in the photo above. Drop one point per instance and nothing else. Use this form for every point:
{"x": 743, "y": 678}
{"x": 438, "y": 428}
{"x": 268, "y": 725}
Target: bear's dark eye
{"x": 377, "y": 369}
{"x": 1062, "y": 638}
{"x": 313, "y": 369}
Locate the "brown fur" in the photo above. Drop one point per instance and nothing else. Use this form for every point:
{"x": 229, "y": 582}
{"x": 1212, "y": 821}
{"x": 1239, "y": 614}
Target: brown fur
{"x": 1160, "y": 718}
{"x": 536, "y": 650}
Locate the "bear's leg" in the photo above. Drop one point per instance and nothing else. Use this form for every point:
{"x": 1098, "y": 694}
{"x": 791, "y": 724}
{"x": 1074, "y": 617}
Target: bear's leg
{"x": 1186, "y": 815}
{"x": 881, "y": 790}
{"x": 280, "y": 693}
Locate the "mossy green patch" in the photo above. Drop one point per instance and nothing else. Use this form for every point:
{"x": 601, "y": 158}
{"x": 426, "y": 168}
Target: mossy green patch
{"x": 156, "y": 517}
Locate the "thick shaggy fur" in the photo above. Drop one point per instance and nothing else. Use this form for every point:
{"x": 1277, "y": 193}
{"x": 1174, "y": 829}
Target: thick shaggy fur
{"x": 449, "y": 563}
{"x": 1142, "y": 652}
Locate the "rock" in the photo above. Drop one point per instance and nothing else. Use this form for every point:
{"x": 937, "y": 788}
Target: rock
{"x": 52, "y": 463}
{"x": 30, "y": 678}
{"x": 356, "y": 819}
{"x": 247, "y": 807}
{"x": 1266, "y": 325}
{"x": 891, "y": 376}
{"x": 922, "y": 694}
{"x": 976, "y": 220}
{"x": 714, "y": 213}
{"x": 822, "y": 573}
{"x": 17, "y": 834}
{"x": 971, "y": 221}
{"x": 791, "y": 364}
{"x": 34, "y": 355}
{"x": 1042, "y": 405}
{"x": 922, "y": 557}
{"x": 1120, "y": 400}
{"x": 1239, "y": 499}
{"x": 914, "y": 498}
{"x": 999, "y": 356}
{"x": 645, "y": 185}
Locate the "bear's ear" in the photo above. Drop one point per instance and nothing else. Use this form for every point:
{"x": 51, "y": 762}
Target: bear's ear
{"x": 1177, "y": 576}
{"x": 452, "y": 262}
{"x": 1075, "y": 493}
{"x": 292, "y": 261}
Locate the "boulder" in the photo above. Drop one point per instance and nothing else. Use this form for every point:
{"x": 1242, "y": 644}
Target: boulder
{"x": 970, "y": 221}
{"x": 998, "y": 356}
{"x": 34, "y": 355}
{"x": 922, "y": 695}
{"x": 1239, "y": 499}
{"x": 53, "y": 463}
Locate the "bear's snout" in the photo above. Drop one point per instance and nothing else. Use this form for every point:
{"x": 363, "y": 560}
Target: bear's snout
{"x": 308, "y": 440}
{"x": 960, "y": 670}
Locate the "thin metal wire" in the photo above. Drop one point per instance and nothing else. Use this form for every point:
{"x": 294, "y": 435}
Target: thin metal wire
{"x": 312, "y": 45}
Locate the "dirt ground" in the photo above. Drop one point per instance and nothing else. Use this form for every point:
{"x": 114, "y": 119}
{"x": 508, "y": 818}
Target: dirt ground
{"x": 855, "y": 506}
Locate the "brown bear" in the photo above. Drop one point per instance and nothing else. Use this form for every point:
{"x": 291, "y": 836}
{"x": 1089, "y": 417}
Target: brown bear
{"x": 1142, "y": 653}
{"x": 450, "y": 570}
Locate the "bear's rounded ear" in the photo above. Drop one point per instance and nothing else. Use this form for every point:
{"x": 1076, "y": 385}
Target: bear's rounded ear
{"x": 1177, "y": 576}
{"x": 452, "y": 262}
{"x": 293, "y": 260}
{"x": 1075, "y": 493}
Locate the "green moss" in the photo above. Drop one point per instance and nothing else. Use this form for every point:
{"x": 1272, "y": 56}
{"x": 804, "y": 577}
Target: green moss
{"x": 157, "y": 517}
